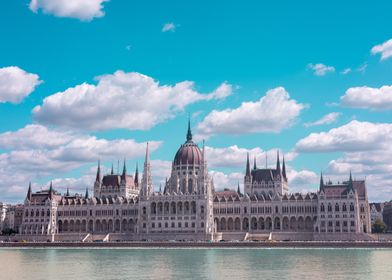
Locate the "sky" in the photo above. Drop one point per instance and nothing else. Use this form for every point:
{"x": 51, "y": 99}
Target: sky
{"x": 82, "y": 81}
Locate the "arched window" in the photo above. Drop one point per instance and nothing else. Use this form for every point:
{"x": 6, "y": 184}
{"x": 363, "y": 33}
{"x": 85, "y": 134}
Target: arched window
{"x": 337, "y": 209}
{"x": 202, "y": 209}
{"x": 190, "y": 186}
{"x": 351, "y": 207}
{"x": 329, "y": 208}
{"x": 344, "y": 207}
{"x": 322, "y": 208}
{"x": 48, "y": 213}
{"x": 184, "y": 186}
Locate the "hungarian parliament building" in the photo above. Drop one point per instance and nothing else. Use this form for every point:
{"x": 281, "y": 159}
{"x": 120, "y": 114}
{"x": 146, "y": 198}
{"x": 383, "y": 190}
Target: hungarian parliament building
{"x": 125, "y": 207}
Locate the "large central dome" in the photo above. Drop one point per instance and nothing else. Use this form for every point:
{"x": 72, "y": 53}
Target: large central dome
{"x": 189, "y": 152}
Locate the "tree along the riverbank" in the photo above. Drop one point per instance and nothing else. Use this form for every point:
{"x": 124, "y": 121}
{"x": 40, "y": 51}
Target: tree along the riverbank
{"x": 379, "y": 226}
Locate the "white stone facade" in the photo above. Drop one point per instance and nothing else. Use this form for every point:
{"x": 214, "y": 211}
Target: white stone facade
{"x": 190, "y": 209}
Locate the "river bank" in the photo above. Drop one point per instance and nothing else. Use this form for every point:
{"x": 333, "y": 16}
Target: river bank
{"x": 313, "y": 244}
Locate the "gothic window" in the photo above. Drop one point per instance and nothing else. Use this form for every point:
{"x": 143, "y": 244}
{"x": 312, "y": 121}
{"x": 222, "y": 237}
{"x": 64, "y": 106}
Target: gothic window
{"x": 344, "y": 207}
{"x": 329, "y": 208}
{"x": 351, "y": 207}
{"x": 337, "y": 209}
{"x": 190, "y": 186}
{"x": 322, "y": 208}
{"x": 202, "y": 209}
{"x": 144, "y": 210}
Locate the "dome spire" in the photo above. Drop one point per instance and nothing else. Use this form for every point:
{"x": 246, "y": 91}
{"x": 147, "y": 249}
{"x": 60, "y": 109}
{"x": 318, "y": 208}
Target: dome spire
{"x": 189, "y": 133}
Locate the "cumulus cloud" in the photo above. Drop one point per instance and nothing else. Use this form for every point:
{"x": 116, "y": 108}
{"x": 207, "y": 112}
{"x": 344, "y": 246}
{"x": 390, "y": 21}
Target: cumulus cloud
{"x": 354, "y": 136}
{"x": 234, "y": 156}
{"x": 327, "y": 119}
{"x": 169, "y": 27}
{"x": 385, "y": 49}
{"x": 227, "y": 181}
{"x": 320, "y": 69}
{"x": 16, "y": 84}
{"x": 368, "y": 98}
{"x": 272, "y": 113}
{"x": 302, "y": 181}
{"x": 84, "y": 10}
{"x": 366, "y": 152}
{"x": 121, "y": 100}
{"x": 35, "y": 152}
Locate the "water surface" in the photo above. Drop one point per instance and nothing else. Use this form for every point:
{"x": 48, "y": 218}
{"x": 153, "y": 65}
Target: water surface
{"x": 82, "y": 264}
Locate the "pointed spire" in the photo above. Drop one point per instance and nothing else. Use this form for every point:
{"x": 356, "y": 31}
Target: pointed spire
{"x": 350, "y": 182}
{"x": 136, "y": 181}
{"x": 98, "y": 178}
{"x": 147, "y": 187}
{"x": 284, "y": 169}
{"x": 247, "y": 172}
{"x": 278, "y": 163}
{"x": 160, "y": 188}
{"x": 189, "y": 133}
{"x": 86, "y": 195}
{"x": 321, "y": 181}
{"x": 238, "y": 189}
{"x": 29, "y": 193}
{"x": 51, "y": 191}
{"x": 147, "y": 157}
{"x": 124, "y": 173}
{"x": 165, "y": 188}
{"x": 112, "y": 171}
{"x": 67, "y": 192}
{"x": 254, "y": 164}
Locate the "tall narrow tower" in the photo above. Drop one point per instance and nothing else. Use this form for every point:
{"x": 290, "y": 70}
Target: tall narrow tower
{"x": 248, "y": 177}
{"x": 97, "y": 183}
{"x": 147, "y": 188}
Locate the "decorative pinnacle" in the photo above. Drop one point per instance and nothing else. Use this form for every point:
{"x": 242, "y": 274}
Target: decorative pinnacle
{"x": 189, "y": 133}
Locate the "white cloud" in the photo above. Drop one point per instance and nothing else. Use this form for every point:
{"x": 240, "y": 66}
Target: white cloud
{"x": 346, "y": 71}
{"x": 84, "y": 10}
{"x": 362, "y": 68}
{"x": 16, "y": 84}
{"x": 354, "y": 136}
{"x": 327, "y": 119}
{"x": 35, "y": 152}
{"x": 385, "y": 49}
{"x": 368, "y": 98}
{"x": 366, "y": 151}
{"x": 272, "y": 113}
{"x": 227, "y": 181}
{"x": 302, "y": 181}
{"x": 320, "y": 69}
{"x": 234, "y": 156}
{"x": 121, "y": 100}
{"x": 169, "y": 27}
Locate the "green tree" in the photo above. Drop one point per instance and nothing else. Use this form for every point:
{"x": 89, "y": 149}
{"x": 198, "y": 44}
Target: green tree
{"x": 379, "y": 226}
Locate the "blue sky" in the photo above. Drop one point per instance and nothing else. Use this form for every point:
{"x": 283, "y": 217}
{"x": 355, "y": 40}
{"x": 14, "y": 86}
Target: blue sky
{"x": 130, "y": 52}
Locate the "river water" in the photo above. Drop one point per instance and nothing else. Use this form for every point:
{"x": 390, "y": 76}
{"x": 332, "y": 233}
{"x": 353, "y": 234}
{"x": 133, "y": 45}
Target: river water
{"x": 135, "y": 263}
